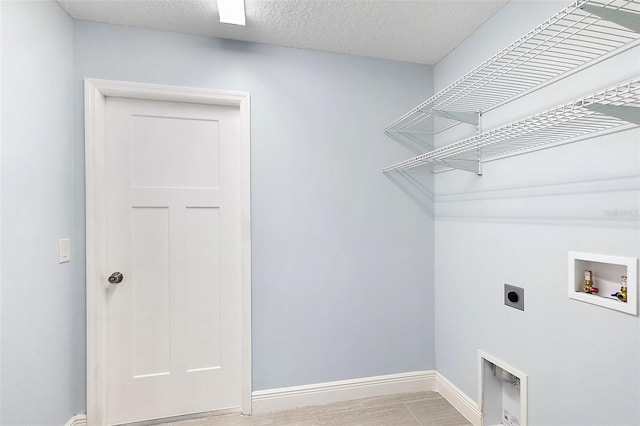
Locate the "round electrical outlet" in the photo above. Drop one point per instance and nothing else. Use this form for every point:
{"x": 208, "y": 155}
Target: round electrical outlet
{"x": 512, "y": 296}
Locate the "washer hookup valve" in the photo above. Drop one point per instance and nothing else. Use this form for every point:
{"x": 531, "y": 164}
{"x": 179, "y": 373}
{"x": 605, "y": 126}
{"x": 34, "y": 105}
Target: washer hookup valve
{"x": 588, "y": 283}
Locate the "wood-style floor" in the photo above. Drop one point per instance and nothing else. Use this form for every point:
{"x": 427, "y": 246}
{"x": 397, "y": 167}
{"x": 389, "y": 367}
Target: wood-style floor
{"x": 409, "y": 409}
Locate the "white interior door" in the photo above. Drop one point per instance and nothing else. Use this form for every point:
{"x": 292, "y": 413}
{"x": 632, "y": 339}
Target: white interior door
{"x": 173, "y": 231}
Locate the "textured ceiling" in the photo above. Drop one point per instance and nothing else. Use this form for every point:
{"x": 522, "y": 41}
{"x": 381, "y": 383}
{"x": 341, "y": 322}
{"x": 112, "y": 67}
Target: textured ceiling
{"x": 421, "y": 31}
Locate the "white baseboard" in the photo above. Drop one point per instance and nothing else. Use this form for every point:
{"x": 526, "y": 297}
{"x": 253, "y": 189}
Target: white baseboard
{"x": 77, "y": 420}
{"x": 344, "y": 390}
{"x": 460, "y": 401}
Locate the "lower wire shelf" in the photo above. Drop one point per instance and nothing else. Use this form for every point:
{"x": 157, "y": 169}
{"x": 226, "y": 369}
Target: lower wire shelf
{"x": 605, "y": 110}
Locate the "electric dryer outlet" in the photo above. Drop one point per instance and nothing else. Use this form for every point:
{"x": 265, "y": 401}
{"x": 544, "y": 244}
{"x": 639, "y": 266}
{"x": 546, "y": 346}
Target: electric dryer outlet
{"x": 514, "y": 296}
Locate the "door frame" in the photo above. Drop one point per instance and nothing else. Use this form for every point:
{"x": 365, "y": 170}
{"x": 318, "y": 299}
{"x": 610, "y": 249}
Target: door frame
{"x": 96, "y": 93}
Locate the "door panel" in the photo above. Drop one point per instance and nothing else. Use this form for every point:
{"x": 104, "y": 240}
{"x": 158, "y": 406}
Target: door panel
{"x": 159, "y": 161}
{"x": 151, "y": 299}
{"x": 203, "y": 289}
{"x": 173, "y": 220}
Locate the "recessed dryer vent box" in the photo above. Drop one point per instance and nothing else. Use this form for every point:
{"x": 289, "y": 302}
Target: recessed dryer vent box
{"x": 503, "y": 393}
{"x": 606, "y": 274}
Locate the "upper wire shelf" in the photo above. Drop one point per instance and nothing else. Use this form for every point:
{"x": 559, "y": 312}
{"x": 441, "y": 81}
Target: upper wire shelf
{"x": 614, "y": 107}
{"x": 579, "y": 34}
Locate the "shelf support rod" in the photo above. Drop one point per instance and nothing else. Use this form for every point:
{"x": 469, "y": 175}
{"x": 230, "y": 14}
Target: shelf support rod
{"x": 465, "y": 117}
{"x": 626, "y": 113}
{"x": 479, "y": 151}
{"x": 623, "y": 18}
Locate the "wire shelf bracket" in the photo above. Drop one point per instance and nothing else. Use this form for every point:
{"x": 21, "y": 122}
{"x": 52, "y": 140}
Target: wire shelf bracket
{"x": 462, "y": 116}
{"x": 620, "y": 17}
{"x": 602, "y": 111}
{"x": 626, "y": 113}
{"x": 473, "y": 165}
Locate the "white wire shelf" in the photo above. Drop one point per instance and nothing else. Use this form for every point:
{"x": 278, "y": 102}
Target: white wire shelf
{"x": 601, "y": 111}
{"x": 568, "y": 41}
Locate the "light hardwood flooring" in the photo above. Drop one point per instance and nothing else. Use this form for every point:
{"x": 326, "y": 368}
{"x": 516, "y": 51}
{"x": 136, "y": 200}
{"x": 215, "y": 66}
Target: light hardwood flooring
{"x": 410, "y": 409}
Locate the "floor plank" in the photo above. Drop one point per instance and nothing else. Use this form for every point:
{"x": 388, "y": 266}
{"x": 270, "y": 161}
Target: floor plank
{"x": 410, "y": 409}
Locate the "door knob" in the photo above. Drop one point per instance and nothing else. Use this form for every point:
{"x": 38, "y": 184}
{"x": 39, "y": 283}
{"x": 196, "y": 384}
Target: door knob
{"x": 116, "y": 278}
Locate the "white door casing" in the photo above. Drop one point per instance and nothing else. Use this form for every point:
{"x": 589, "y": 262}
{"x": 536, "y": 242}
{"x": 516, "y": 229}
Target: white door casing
{"x": 113, "y": 101}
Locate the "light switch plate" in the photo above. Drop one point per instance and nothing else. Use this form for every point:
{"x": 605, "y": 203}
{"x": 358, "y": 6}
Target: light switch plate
{"x": 514, "y": 296}
{"x": 64, "y": 250}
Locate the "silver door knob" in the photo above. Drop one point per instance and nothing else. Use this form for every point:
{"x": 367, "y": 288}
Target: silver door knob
{"x": 116, "y": 278}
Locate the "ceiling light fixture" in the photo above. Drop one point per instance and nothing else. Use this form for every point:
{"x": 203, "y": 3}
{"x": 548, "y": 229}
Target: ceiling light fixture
{"x": 231, "y": 12}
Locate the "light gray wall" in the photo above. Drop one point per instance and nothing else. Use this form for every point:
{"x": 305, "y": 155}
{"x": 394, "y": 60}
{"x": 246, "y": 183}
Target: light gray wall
{"x": 42, "y": 315}
{"x": 515, "y": 225}
{"x": 342, "y": 259}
